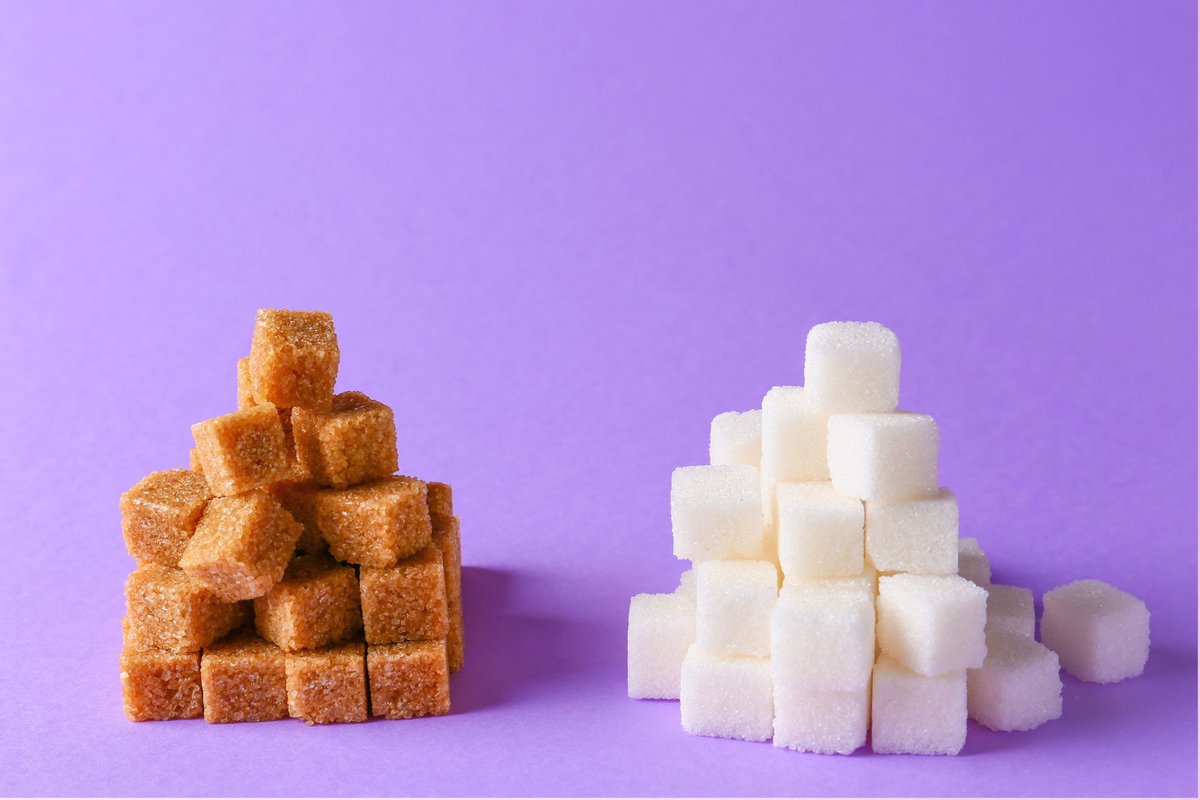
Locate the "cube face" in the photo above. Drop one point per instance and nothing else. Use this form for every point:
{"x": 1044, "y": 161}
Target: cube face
{"x": 293, "y": 358}
{"x": 661, "y": 629}
{"x": 736, "y": 438}
{"x": 245, "y": 388}
{"x": 932, "y": 624}
{"x": 1100, "y": 633}
{"x": 822, "y": 638}
{"x": 314, "y": 605}
{"x": 815, "y": 721}
{"x": 820, "y": 532}
{"x": 852, "y": 367}
{"x": 157, "y": 684}
{"x": 918, "y": 536}
{"x": 1010, "y": 610}
{"x": 794, "y": 438}
{"x": 730, "y": 698}
{"x": 169, "y": 611}
{"x": 352, "y": 442}
{"x": 716, "y": 512}
{"x": 440, "y": 498}
{"x": 159, "y": 515}
{"x": 242, "y": 546}
{"x": 448, "y": 540}
{"x": 300, "y": 500}
{"x": 1018, "y": 688}
{"x": 242, "y": 451}
{"x": 915, "y": 714}
{"x": 405, "y": 602}
{"x": 972, "y": 563}
{"x": 734, "y": 600}
{"x": 409, "y": 680}
{"x": 328, "y": 685}
{"x": 883, "y": 456}
{"x": 376, "y": 524}
{"x": 244, "y": 680}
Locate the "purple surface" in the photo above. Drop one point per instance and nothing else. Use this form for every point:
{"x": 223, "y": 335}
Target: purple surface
{"x": 558, "y": 239}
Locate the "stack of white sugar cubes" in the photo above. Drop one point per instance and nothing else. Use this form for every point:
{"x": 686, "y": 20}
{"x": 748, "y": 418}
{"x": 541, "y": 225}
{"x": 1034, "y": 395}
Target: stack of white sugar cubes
{"x": 830, "y": 594}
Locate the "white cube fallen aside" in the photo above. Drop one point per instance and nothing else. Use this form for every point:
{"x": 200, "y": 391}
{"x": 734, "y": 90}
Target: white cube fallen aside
{"x": 1101, "y": 634}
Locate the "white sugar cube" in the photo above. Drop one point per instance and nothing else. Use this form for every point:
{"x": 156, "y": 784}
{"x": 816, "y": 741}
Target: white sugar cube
{"x": 793, "y": 442}
{"x": 726, "y": 697}
{"x": 687, "y": 585}
{"x": 972, "y": 563}
{"x": 919, "y": 536}
{"x": 661, "y": 629}
{"x": 1017, "y": 688}
{"x": 822, "y": 637}
{"x": 913, "y": 713}
{"x": 733, "y": 607}
{"x": 736, "y": 438}
{"x": 932, "y": 623}
{"x": 816, "y": 721}
{"x": 716, "y": 512}
{"x": 883, "y": 456}
{"x": 1101, "y": 634}
{"x": 820, "y": 531}
{"x": 1010, "y": 609}
{"x": 852, "y": 366}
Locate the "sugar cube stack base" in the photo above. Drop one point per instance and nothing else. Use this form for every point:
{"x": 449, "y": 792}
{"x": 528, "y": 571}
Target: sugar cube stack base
{"x": 830, "y": 599}
{"x": 288, "y": 572}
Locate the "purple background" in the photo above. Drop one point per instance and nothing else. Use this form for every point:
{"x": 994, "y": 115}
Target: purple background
{"x": 558, "y": 238}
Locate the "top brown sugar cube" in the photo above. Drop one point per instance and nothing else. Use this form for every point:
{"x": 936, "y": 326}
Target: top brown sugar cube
{"x": 351, "y": 443}
{"x": 159, "y": 514}
{"x": 243, "y": 450}
{"x": 293, "y": 358}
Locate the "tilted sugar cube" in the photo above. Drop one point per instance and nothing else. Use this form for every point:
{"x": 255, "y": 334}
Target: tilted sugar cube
{"x": 822, "y": 637}
{"x": 919, "y": 536}
{"x": 1010, "y": 609}
{"x": 820, "y": 721}
{"x": 972, "y": 563}
{"x": 917, "y": 714}
{"x": 1018, "y": 687}
{"x": 1101, "y": 634}
{"x": 733, "y": 607}
{"x": 820, "y": 532}
{"x": 794, "y": 441}
{"x": 883, "y": 456}
{"x": 716, "y": 512}
{"x": 852, "y": 366}
{"x": 726, "y": 697}
{"x": 932, "y": 624}
{"x": 661, "y": 629}
{"x": 736, "y": 438}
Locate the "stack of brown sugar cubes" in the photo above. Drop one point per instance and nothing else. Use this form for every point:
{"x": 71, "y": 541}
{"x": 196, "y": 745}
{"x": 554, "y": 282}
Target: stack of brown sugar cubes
{"x": 289, "y": 571}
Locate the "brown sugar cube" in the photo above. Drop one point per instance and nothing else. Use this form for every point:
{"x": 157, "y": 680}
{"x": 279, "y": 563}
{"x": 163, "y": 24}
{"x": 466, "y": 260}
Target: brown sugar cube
{"x": 243, "y": 450}
{"x": 446, "y": 537}
{"x": 328, "y": 685}
{"x": 194, "y": 462}
{"x": 159, "y": 514}
{"x": 377, "y": 523}
{"x": 352, "y": 442}
{"x": 316, "y": 603}
{"x": 405, "y": 602}
{"x": 300, "y": 500}
{"x": 408, "y": 680}
{"x": 242, "y": 545}
{"x": 170, "y": 611}
{"x": 244, "y": 680}
{"x": 159, "y": 684}
{"x": 245, "y": 391}
{"x": 440, "y": 498}
{"x": 293, "y": 358}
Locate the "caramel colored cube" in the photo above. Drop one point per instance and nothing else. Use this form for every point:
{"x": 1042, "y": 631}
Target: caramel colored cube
{"x": 352, "y": 442}
{"x": 440, "y": 498}
{"x": 408, "y": 680}
{"x": 194, "y": 462}
{"x": 160, "y": 684}
{"x": 300, "y": 500}
{"x": 159, "y": 514}
{"x": 328, "y": 685}
{"x": 244, "y": 680}
{"x": 446, "y": 537}
{"x": 316, "y": 604}
{"x": 293, "y": 358}
{"x": 243, "y": 450}
{"x": 377, "y": 523}
{"x": 405, "y": 602}
{"x": 245, "y": 391}
{"x": 170, "y": 611}
{"x": 242, "y": 545}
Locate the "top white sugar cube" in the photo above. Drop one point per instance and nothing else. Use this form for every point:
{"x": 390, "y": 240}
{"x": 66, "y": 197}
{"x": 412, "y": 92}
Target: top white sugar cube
{"x": 716, "y": 512}
{"x": 852, "y": 367}
{"x": 883, "y": 456}
{"x": 736, "y": 438}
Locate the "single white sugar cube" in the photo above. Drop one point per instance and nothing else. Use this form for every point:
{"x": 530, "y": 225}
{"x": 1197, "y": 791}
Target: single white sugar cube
{"x": 972, "y": 563}
{"x": 726, "y": 697}
{"x": 733, "y": 607}
{"x": 1010, "y": 609}
{"x": 820, "y": 531}
{"x": 852, "y": 366}
{"x": 822, "y": 637}
{"x": 661, "y": 629}
{"x": 687, "y": 585}
{"x": 1101, "y": 634}
{"x": 716, "y": 512}
{"x": 883, "y": 456}
{"x": 932, "y": 623}
{"x": 794, "y": 441}
{"x": 919, "y": 536}
{"x": 1017, "y": 688}
{"x": 816, "y": 721}
{"x": 736, "y": 438}
{"x": 917, "y": 714}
